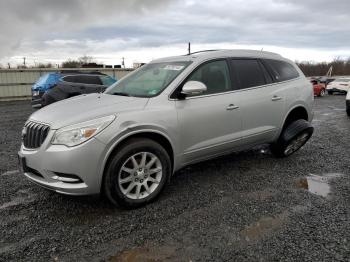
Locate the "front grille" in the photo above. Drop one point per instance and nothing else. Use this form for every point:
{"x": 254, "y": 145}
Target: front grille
{"x": 34, "y": 134}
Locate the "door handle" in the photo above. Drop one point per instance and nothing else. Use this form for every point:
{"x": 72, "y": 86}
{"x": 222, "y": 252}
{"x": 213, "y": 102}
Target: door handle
{"x": 231, "y": 107}
{"x": 276, "y": 98}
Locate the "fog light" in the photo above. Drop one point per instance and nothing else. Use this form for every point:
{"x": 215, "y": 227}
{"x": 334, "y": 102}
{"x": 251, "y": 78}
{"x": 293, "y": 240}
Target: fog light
{"x": 67, "y": 178}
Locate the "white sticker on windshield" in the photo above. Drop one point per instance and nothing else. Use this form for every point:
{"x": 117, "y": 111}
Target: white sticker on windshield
{"x": 174, "y": 67}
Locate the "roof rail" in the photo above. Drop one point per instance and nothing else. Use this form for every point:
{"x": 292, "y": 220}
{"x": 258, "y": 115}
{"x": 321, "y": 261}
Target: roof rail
{"x": 202, "y": 51}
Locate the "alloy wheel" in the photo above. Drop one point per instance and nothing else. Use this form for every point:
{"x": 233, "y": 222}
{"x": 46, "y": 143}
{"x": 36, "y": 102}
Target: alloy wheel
{"x": 140, "y": 175}
{"x": 296, "y": 143}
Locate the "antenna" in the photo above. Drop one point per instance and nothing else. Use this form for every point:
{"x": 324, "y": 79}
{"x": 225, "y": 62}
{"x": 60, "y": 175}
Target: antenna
{"x": 189, "y": 48}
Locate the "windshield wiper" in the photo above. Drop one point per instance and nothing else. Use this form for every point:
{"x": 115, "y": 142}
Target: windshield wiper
{"x": 120, "y": 94}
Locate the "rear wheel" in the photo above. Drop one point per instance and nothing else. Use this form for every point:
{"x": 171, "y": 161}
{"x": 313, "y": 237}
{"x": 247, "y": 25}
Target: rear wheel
{"x": 322, "y": 92}
{"x": 137, "y": 173}
{"x": 293, "y": 137}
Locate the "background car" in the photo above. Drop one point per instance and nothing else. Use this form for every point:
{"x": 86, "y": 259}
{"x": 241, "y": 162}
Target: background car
{"x": 326, "y": 80}
{"x": 43, "y": 84}
{"x": 340, "y": 85}
{"x": 73, "y": 84}
{"x": 319, "y": 88}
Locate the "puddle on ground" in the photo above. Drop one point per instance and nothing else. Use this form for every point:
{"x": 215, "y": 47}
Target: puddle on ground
{"x": 318, "y": 185}
{"x": 162, "y": 253}
{"x": 264, "y": 226}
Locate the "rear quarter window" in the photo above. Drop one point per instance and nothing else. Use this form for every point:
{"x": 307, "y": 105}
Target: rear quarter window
{"x": 281, "y": 70}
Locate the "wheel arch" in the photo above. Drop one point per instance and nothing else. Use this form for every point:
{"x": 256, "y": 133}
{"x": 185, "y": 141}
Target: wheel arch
{"x": 295, "y": 113}
{"x": 154, "y": 135}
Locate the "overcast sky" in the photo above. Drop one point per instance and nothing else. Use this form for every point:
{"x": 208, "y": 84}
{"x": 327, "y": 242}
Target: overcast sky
{"x": 141, "y": 30}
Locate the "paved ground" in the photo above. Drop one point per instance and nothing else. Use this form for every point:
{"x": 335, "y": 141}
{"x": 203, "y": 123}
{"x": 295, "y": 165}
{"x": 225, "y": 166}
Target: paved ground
{"x": 244, "y": 207}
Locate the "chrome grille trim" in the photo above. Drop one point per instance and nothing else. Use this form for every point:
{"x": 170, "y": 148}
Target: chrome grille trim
{"x": 35, "y": 134}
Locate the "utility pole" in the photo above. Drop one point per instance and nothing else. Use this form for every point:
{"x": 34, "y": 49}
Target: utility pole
{"x": 24, "y": 61}
{"x": 189, "y": 48}
{"x": 123, "y": 62}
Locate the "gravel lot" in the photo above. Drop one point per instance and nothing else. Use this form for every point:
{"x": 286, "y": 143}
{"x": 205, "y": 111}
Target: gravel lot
{"x": 242, "y": 207}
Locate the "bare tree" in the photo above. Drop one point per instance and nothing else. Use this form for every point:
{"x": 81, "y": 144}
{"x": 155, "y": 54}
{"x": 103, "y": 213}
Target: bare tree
{"x": 70, "y": 63}
{"x": 86, "y": 59}
{"x": 45, "y": 65}
{"x": 340, "y": 67}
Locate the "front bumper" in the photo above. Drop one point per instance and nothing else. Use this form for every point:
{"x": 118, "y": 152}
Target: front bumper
{"x": 37, "y": 100}
{"x": 45, "y": 164}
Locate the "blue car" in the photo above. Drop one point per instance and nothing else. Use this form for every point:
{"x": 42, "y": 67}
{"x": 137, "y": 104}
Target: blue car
{"x": 53, "y": 87}
{"x": 43, "y": 84}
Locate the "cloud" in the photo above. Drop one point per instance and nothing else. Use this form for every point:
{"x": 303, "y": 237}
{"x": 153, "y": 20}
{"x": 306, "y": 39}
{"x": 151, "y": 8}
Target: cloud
{"x": 71, "y": 28}
{"x": 24, "y": 21}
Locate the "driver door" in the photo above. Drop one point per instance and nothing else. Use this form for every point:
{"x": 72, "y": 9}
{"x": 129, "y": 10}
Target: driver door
{"x": 210, "y": 123}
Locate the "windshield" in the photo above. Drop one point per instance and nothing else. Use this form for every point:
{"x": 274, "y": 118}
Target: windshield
{"x": 149, "y": 80}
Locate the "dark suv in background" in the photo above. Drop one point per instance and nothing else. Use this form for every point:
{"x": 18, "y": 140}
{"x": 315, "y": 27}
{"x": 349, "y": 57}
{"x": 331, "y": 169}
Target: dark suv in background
{"x": 72, "y": 84}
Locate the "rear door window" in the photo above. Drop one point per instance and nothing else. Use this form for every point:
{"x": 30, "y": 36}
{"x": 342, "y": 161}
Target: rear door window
{"x": 89, "y": 79}
{"x": 83, "y": 79}
{"x": 281, "y": 70}
{"x": 249, "y": 72}
{"x": 70, "y": 79}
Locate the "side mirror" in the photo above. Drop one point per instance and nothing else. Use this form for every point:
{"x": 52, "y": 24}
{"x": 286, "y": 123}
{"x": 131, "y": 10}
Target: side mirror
{"x": 193, "y": 88}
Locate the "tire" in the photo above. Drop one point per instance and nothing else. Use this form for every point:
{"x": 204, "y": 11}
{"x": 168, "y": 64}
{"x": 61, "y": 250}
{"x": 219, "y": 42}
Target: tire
{"x": 330, "y": 92}
{"x": 292, "y": 138}
{"x": 132, "y": 192}
{"x": 348, "y": 111}
{"x": 322, "y": 93}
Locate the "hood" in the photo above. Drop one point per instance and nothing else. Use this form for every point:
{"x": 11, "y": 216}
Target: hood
{"x": 46, "y": 82}
{"x": 86, "y": 107}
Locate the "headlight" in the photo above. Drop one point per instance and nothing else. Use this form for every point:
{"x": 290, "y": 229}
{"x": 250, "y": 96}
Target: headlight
{"x": 79, "y": 133}
{"x": 35, "y": 93}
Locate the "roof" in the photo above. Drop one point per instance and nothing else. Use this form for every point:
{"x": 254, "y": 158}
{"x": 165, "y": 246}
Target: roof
{"x": 209, "y": 54}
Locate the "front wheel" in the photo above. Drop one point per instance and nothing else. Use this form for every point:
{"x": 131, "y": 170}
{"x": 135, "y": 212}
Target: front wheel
{"x": 293, "y": 137}
{"x": 137, "y": 173}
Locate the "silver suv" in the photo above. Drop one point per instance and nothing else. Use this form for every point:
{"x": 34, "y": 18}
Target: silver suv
{"x": 128, "y": 141}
